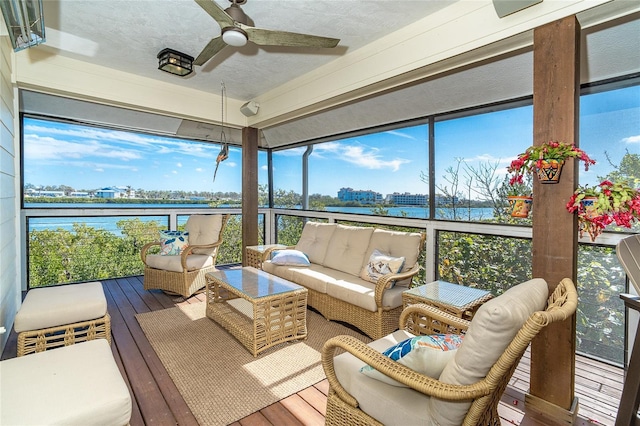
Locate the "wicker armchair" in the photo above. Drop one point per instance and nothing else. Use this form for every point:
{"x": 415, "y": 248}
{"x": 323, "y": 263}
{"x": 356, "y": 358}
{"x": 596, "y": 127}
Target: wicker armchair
{"x": 356, "y": 399}
{"x": 184, "y": 274}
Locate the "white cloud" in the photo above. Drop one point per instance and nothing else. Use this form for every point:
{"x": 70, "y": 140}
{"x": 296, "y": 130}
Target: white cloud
{"x": 230, "y": 163}
{"x": 400, "y": 134}
{"x": 632, "y": 139}
{"x": 179, "y": 165}
{"x": 199, "y": 170}
{"x": 174, "y": 172}
{"x": 264, "y": 167}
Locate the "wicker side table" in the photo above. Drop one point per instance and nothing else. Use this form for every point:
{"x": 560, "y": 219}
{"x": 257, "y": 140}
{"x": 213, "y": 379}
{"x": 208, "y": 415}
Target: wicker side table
{"x": 455, "y": 299}
{"x": 254, "y": 254}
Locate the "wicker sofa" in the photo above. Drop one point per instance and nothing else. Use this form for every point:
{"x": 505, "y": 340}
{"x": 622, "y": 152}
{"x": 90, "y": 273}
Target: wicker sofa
{"x": 338, "y": 255}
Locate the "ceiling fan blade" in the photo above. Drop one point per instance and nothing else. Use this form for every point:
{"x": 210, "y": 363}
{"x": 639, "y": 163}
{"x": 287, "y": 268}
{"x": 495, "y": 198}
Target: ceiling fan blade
{"x": 216, "y": 12}
{"x": 282, "y": 38}
{"x": 210, "y": 50}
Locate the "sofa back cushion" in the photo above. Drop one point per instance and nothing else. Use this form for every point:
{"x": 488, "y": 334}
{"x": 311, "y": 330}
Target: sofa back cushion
{"x": 203, "y": 230}
{"x": 492, "y": 329}
{"x": 315, "y": 239}
{"x": 347, "y": 248}
{"x": 396, "y": 244}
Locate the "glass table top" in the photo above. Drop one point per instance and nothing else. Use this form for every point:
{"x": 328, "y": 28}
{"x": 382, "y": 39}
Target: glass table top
{"x": 451, "y": 294}
{"x": 254, "y": 282}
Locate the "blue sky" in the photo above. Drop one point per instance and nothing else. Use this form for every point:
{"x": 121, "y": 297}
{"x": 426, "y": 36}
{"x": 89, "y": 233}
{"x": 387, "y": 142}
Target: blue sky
{"x": 88, "y": 158}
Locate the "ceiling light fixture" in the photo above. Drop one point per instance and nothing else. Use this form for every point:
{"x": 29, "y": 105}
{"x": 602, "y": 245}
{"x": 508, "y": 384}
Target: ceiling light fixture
{"x": 25, "y": 22}
{"x": 174, "y": 62}
{"x": 234, "y": 37}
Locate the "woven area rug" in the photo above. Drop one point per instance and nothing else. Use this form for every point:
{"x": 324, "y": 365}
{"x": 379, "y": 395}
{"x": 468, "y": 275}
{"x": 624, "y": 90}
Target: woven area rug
{"x": 218, "y": 378}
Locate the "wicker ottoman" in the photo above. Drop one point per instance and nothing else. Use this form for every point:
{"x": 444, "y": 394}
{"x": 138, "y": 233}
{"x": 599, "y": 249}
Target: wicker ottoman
{"x": 75, "y": 385}
{"x": 61, "y": 316}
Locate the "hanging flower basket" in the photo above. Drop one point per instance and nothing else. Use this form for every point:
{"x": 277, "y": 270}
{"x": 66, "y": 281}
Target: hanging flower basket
{"x": 520, "y": 205}
{"x": 607, "y": 203}
{"x": 546, "y": 161}
{"x": 549, "y": 170}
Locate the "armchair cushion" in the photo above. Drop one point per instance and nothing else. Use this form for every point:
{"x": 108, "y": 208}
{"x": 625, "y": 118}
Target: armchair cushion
{"x": 174, "y": 263}
{"x": 204, "y": 230}
{"x": 425, "y": 354}
{"x": 380, "y": 264}
{"x": 378, "y": 399}
{"x": 173, "y": 243}
{"x": 492, "y": 329}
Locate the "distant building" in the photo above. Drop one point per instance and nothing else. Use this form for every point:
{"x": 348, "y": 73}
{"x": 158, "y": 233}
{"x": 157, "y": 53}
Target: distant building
{"x": 360, "y": 196}
{"x": 407, "y": 199}
{"x": 116, "y": 192}
{"x": 42, "y": 193}
{"x": 80, "y": 194}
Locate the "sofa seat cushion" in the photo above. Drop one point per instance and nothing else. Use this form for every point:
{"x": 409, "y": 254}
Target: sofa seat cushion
{"x": 493, "y": 327}
{"x": 396, "y": 244}
{"x": 346, "y": 249}
{"x": 316, "y": 277}
{"x": 378, "y": 399}
{"x": 315, "y": 239}
{"x": 174, "y": 263}
{"x": 362, "y": 293}
{"x": 282, "y": 271}
{"x": 73, "y": 385}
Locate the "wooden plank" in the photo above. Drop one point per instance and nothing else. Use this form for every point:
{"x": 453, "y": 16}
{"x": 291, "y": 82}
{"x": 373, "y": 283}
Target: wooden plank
{"x": 302, "y": 411}
{"x": 323, "y": 386}
{"x": 315, "y": 398}
{"x": 162, "y": 298}
{"x": 152, "y": 302}
{"x": 176, "y": 404}
{"x": 255, "y": 419}
{"x": 136, "y": 416}
{"x": 279, "y": 415}
{"x": 152, "y": 405}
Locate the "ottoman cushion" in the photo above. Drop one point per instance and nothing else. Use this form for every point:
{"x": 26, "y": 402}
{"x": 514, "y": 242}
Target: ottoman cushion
{"x": 74, "y": 385}
{"x": 67, "y": 304}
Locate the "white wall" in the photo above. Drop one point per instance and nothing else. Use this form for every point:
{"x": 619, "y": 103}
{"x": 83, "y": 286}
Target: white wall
{"x": 10, "y": 280}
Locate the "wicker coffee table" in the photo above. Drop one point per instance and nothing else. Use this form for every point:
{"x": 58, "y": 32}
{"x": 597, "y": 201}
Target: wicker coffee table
{"x": 257, "y": 308}
{"x": 456, "y": 299}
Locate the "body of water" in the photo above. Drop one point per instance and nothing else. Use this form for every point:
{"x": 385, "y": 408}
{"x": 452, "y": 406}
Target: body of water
{"x": 109, "y": 223}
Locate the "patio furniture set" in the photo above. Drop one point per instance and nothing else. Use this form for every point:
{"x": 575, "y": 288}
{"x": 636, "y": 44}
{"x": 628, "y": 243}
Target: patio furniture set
{"x": 264, "y": 308}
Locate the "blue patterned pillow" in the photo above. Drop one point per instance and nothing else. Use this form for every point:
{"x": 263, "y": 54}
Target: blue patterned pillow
{"x": 424, "y": 354}
{"x": 173, "y": 243}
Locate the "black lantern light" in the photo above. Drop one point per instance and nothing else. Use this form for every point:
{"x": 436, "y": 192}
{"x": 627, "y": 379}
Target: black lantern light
{"x": 174, "y": 62}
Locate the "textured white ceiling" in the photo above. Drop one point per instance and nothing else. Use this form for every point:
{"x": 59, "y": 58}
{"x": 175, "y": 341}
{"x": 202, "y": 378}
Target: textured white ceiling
{"x": 128, "y": 34}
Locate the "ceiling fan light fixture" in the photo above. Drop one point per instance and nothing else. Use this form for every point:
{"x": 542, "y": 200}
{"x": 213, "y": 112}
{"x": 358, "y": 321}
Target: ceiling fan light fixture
{"x": 234, "y": 37}
{"x": 175, "y": 62}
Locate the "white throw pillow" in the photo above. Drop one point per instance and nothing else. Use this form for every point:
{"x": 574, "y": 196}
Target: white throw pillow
{"x": 427, "y": 355}
{"x": 289, "y": 257}
{"x": 381, "y": 264}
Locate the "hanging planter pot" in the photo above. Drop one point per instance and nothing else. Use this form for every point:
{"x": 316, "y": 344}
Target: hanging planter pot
{"x": 520, "y": 205}
{"x": 590, "y": 207}
{"x": 549, "y": 170}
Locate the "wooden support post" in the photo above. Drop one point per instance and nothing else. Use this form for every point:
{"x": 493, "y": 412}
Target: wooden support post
{"x": 249, "y": 189}
{"x": 556, "y": 95}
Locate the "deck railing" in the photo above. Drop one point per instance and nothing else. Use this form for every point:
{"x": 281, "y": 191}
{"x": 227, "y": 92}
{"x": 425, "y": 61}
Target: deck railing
{"x": 105, "y": 243}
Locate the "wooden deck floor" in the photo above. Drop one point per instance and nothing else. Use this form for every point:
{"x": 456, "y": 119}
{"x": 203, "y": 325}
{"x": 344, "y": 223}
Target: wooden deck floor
{"x": 156, "y": 400}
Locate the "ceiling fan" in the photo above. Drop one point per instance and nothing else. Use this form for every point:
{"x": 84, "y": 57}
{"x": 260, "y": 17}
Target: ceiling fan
{"x": 237, "y": 29}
